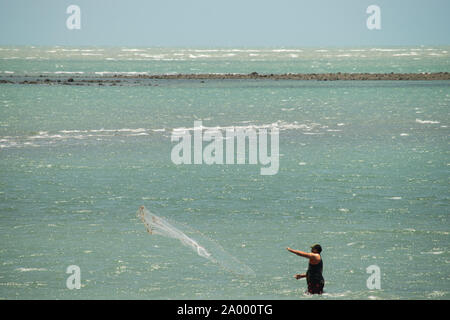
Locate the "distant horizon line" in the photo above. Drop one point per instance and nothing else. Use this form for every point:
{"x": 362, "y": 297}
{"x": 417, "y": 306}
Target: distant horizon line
{"x": 226, "y": 46}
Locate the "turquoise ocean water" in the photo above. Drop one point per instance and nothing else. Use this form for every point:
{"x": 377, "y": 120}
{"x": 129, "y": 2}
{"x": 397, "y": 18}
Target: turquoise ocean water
{"x": 364, "y": 171}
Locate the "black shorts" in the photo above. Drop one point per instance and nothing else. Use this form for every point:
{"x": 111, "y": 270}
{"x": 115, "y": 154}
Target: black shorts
{"x": 316, "y": 287}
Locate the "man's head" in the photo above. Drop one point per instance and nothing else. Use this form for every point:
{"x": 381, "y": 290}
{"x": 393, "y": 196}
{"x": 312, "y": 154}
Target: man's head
{"x": 316, "y": 248}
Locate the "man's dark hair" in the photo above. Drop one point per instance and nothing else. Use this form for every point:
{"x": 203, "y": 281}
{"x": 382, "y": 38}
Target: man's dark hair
{"x": 317, "y": 247}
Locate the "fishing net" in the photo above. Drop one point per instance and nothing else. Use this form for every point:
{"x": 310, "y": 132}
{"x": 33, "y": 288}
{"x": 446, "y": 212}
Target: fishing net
{"x": 202, "y": 245}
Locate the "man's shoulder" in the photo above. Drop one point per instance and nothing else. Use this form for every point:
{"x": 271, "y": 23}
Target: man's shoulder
{"x": 316, "y": 257}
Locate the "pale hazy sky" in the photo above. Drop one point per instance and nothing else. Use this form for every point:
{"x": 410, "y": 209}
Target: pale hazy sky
{"x": 225, "y": 23}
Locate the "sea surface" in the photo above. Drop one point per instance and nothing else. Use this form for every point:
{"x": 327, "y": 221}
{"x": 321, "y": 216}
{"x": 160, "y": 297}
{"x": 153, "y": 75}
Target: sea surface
{"x": 363, "y": 170}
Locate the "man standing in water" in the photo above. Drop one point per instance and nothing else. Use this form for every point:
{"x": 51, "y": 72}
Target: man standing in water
{"x": 313, "y": 276}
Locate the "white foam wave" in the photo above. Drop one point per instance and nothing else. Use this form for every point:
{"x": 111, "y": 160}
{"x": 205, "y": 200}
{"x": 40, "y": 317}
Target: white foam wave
{"x": 426, "y": 121}
{"x": 66, "y": 72}
{"x": 281, "y": 125}
{"x": 287, "y": 50}
{"x": 132, "y": 50}
{"x": 30, "y": 269}
{"x": 386, "y": 50}
{"x": 432, "y": 252}
{"x": 102, "y": 73}
{"x": 44, "y": 137}
{"x": 405, "y": 54}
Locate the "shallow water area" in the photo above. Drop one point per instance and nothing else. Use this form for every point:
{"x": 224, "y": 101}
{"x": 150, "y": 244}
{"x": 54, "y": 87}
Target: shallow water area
{"x": 364, "y": 168}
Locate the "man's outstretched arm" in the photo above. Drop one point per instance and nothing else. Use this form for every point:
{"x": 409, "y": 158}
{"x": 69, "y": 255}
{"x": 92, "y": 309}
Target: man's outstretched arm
{"x": 308, "y": 255}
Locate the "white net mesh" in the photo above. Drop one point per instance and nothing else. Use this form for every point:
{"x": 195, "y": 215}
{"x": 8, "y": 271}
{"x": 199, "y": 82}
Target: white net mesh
{"x": 207, "y": 249}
